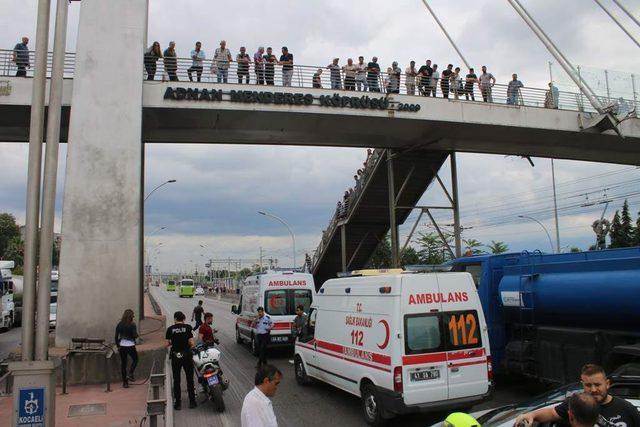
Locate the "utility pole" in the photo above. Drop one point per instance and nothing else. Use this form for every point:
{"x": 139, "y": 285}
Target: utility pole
{"x": 260, "y": 259}
{"x": 555, "y": 206}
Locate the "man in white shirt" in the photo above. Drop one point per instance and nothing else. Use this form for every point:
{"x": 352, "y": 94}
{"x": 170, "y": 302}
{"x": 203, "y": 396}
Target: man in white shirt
{"x": 197, "y": 55}
{"x": 257, "y": 410}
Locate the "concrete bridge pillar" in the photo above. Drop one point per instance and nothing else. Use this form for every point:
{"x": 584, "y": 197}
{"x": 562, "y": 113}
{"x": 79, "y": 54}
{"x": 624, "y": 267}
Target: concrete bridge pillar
{"x": 101, "y": 222}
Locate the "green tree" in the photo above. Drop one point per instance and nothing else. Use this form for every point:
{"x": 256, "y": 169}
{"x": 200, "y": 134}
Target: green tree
{"x": 626, "y": 226}
{"x": 615, "y": 234}
{"x": 15, "y": 251}
{"x": 410, "y": 256}
{"x": 8, "y": 230}
{"x": 636, "y": 232}
{"x": 432, "y": 249}
{"x": 381, "y": 257}
{"x": 498, "y": 247}
{"x": 472, "y": 247}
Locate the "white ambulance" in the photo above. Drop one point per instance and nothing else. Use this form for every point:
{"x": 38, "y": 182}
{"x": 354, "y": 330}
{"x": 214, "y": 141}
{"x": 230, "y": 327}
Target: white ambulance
{"x": 279, "y": 293}
{"x": 403, "y": 342}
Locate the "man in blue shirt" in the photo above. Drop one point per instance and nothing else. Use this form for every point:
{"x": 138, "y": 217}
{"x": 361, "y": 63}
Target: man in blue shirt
{"x": 263, "y": 325}
{"x": 21, "y": 57}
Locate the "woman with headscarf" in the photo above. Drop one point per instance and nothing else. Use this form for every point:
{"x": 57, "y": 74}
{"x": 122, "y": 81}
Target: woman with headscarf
{"x": 126, "y": 334}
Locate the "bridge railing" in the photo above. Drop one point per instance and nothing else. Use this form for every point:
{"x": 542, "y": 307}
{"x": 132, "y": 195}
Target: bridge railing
{"x": 305, "y": 76}
{"x": 348, "y": 203}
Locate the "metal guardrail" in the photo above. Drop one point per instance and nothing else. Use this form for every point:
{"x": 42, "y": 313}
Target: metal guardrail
{"x": 210, "y": 71}
{"x": 156, "y": 397}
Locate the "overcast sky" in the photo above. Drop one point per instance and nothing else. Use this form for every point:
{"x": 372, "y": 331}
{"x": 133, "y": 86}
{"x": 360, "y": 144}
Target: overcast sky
{"x": 220, "y": 188}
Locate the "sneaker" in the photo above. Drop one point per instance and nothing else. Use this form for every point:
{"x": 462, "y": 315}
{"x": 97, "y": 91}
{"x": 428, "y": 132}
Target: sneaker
{"x": 177, "y": 406}
{"x": 125, "y": 385}
{"x": 290, "y": 361}
{"x": 131, "y": 378}
{"x": 192, "y": 405}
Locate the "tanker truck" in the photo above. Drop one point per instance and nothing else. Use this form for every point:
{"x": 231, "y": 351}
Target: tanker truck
{"x": 549, "y": 314}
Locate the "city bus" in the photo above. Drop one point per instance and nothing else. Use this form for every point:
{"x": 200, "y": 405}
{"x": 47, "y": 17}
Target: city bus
{"x": 186, "y": 288}
{"x": 171, "y": 285}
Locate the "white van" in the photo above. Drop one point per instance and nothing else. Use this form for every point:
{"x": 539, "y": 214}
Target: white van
{"x": 279, "y": 293}
{"x": 403, "y": 342}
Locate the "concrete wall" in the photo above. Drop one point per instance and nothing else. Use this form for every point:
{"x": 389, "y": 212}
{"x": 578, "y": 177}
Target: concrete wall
{"x": 101, "y": 212}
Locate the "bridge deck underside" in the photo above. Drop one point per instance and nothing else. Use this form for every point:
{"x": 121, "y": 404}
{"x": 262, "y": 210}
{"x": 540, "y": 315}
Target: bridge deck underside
{"x": 369, "y": 220}
{"x": 286, "y": 127}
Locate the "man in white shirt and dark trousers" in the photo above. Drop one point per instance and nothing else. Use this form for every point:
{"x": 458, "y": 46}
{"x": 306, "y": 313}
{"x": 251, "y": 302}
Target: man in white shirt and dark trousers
{"x": 257, "y": 410}
{"x": 263, "y": 325}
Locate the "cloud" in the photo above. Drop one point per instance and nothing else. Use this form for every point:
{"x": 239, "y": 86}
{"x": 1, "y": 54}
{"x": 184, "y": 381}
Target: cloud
{"x": 220, "y": 188}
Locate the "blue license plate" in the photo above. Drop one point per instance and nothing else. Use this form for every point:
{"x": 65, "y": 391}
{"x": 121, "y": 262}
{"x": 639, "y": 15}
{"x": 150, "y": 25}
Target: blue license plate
{"x": 212, "y": 380}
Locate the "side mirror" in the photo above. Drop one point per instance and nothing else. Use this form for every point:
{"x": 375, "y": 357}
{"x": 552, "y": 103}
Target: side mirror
{"x": 234, "y": 309}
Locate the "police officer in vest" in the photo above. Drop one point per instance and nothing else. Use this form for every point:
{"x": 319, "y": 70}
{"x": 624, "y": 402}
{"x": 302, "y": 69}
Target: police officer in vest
{"x": 180, "y": 338}
{"x": 263, "y": 325}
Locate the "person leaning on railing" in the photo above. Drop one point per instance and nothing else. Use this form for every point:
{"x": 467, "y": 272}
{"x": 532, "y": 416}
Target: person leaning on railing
{"x": 350, "y": 72}
{"x": 334, "y": 70}
{"x": 21, "y": 57}
{"x": 513, "y": 89}
{"x": 258, "y": 61}
{"x": 286, "y": 60}
{"x": 151, "y": 56}
{"x": 171, "y": 62}
{"x": 198, "y": 57}
{"x": 243, "y": 61}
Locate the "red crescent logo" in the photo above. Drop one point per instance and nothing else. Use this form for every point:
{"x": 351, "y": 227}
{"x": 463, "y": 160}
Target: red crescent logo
{"x": 387, "y": 335}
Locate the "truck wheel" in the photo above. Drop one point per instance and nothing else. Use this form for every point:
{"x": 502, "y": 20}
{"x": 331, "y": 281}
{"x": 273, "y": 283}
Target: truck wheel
{"x": 254, "y": 345}
{"x": 301, "y": 374}
{"x": 371, "y": 407}
{"x": 239, "y": 339}
{"x": 216, "y": 396}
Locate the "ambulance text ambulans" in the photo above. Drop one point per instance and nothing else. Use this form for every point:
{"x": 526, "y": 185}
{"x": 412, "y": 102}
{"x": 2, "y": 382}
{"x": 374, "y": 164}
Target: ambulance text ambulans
{"x": 403, "y": 342}
{"x": 279, "y": 293}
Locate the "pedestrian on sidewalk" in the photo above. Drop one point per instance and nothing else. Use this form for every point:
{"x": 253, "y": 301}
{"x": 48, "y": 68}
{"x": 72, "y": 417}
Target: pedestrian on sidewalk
{"x": 263, "y": 325}
{"x": 297, "y": 327}
{"x": 197, "y": 313}
{"x": 257, "y": 409}
{"x": 179, "y": 338}
{"x": 125, "y": 339}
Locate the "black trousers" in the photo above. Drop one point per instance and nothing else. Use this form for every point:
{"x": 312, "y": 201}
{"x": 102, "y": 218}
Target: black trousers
{"x": 268, "y": 76}
{"x": 243, "y": 74}
{"x": 262, "y": 340}
{"x": 198, "y": 71}
{"x": 22, "y": 71}
{"x": 185, "y": 363}
{"x": 126, "y": 352}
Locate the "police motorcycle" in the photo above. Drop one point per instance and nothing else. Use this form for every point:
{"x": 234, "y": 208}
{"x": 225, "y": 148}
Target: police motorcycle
{"x": 206, "y": 361}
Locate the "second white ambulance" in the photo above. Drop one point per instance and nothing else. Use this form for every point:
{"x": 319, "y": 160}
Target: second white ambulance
{"x": 403, "y": 342}
{"x": 279, "y": 293}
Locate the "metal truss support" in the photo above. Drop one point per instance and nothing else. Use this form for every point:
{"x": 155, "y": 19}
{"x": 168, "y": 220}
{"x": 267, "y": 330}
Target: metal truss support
{"x": 455, "y": 204}
{"x": 393, "y": 226}
{"x": 355, "y": 252}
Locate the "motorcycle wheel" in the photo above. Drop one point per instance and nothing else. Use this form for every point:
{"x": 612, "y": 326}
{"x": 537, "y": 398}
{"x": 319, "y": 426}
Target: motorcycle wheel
{"x": 216, "y": 397}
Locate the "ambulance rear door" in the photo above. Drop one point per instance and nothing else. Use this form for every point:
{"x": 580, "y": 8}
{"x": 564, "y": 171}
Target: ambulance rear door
{"x": 424, "y": 370}
{"x": 465, "y": 335}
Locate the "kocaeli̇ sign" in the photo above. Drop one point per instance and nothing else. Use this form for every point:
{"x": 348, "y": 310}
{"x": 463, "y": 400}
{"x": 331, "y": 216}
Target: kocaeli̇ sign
{"x": 31, "y": 407}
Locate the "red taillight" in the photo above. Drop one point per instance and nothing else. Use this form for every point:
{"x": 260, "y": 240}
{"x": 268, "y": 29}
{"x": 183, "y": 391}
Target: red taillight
{"x": 489, "y": 369}
{"x": 397, "y": 379}
{"x": 208, "y": 373}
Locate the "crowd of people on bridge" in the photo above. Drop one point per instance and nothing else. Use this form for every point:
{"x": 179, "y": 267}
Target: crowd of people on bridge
{"x": 361, "y": 76}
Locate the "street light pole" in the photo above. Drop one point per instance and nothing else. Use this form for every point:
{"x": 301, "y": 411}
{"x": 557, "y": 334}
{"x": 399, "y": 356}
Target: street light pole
{"x": 293, "y": 238}
{"x": 543, "y": 227}
{"x": 171, "y": 181}
{"x": 141, "y": 254}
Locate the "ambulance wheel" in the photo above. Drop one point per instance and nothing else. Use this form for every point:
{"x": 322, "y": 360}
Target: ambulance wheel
{"x": 371, "y": 407}
{"x": 301, "y": 374}
{"x": 254, "y": 345}
{"x": 239, "y": 339}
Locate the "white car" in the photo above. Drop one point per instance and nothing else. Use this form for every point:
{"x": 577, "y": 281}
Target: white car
{"x": 199, "y": 290}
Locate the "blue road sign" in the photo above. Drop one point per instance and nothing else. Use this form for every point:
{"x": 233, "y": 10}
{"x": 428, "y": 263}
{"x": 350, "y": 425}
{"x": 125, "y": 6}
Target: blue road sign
{"x": 31, "y": 407}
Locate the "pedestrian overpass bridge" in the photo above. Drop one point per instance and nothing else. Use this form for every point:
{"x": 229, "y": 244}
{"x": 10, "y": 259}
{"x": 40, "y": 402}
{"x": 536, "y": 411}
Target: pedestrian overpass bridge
{"x": 109, "y": 113}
